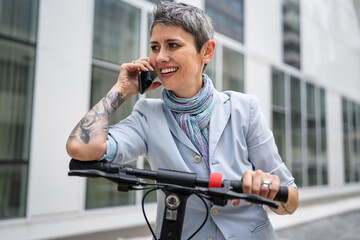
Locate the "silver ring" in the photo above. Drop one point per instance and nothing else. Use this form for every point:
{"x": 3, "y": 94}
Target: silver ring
{"x": 266, "y": 184}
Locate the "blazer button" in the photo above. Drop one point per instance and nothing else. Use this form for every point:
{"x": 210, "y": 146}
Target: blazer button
{"x": 197, "y": 159}
{"x": 214, "y": 212}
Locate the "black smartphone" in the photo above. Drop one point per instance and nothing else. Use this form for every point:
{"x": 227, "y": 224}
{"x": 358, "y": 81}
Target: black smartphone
{"x": 145, "y": 81}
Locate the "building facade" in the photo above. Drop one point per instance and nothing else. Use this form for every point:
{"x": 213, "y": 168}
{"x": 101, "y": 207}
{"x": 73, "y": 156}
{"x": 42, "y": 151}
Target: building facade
{"x": 301, "y": 58}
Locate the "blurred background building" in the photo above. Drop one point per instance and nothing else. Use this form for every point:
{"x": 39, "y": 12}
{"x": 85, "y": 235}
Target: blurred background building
{"x": 58, "y": 58}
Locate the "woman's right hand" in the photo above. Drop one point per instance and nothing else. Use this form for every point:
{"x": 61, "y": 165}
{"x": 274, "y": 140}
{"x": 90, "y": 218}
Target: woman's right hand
{"x": 127, "y": 82}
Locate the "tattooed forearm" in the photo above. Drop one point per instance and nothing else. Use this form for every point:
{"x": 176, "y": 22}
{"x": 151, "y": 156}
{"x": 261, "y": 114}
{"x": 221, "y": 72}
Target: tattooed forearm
{"x": 112, "y": 101}
{"x": 96, "y": 121}
{"x": 285, "y": 209}
{"x": 88, "y": 124}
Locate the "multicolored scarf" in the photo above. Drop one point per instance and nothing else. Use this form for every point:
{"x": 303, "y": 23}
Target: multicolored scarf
{"x": 193, "y": 115}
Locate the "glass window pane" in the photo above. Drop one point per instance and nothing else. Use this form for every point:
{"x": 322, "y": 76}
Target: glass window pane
{"x": 296, "y": 146}
{"x": 18, "y": 30}
{"x": 17, "y": 63}
{"x": 355, "y": 153}
{"x": 296, "y": 136}
{"x": 228, "y": 17}
{"x": 291, "y": 32}
{"x": 13, "y": 189}
{"x": 323, "y": 137}
{"x": 311, "y": 150}
{"x": 311, "y": 134}
{"x": 18, "y": 19}
{"x": 357, "y": 136}
{"x": 116, "y": 31}
{"x": 295, "y": 95}
{"x": 278, "y": 88}
{"x": 346, "y": 139}
{"x": 279, "y": 133}
{"x": 233, "y": 80}
{"x": 310, "y": 99}
{"x": 210, "y": 70}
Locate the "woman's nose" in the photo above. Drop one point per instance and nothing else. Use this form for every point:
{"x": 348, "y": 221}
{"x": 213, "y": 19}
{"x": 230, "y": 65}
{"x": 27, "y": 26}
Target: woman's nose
{"x": 162, "y": 57}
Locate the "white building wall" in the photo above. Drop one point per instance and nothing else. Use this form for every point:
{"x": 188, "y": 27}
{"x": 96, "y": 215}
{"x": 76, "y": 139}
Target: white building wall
{"x": 334, "y": 139}
{"x": 263, "y": 29}
{"x": 330, "y": 45}
{"x": 63, "y": 63}
{"x": 258, "y": 76}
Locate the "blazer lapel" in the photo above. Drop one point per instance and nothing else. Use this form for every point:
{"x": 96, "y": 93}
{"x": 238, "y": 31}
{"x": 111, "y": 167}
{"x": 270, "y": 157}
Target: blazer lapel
{"x": 176, "y": 130}
{"x": 218, "y": 121}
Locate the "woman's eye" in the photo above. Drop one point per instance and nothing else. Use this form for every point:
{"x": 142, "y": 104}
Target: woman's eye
{"x": 173, "y": 45}
{"x": 154, "y": 48}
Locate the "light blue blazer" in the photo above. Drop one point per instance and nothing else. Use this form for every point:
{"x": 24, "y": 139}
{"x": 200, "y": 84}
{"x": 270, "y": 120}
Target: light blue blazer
{"x": 239, "y": 140}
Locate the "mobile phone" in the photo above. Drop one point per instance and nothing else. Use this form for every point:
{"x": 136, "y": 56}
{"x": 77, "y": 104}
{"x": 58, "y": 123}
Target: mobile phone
{"x": 145, "y": 81}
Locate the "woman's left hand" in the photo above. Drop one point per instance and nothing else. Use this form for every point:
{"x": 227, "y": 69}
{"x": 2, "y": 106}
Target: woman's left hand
{"x": 260, "y": 183}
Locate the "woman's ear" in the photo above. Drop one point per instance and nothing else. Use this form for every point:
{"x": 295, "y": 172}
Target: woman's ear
{"x": 208, "y": 51}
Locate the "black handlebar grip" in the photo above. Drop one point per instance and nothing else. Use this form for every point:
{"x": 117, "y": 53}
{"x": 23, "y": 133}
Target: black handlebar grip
{"x": 281, "y": 196}
{"x": 94, "y": 165}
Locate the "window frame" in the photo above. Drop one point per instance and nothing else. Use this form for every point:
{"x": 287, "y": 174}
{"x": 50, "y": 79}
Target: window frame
{"x": 289, "y": 160}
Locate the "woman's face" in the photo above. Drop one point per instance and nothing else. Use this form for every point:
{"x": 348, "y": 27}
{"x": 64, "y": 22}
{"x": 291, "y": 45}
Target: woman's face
{"x": 176, "y": 60}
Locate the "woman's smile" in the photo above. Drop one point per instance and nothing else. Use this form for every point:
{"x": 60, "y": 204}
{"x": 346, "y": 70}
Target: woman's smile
{"x": 167, "y": 72}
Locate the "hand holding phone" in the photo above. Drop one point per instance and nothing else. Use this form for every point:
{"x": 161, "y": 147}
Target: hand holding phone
{"x": 145, "y": 81}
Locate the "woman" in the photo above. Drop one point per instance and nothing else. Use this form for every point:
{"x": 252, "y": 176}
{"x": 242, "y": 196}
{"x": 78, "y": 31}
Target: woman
{"x": 193, "y": 128}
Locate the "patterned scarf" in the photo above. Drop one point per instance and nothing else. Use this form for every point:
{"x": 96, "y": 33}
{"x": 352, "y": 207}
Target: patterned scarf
{"x": 193, "y": 115}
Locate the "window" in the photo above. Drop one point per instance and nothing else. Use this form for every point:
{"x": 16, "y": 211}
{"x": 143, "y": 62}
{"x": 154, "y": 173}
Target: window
{"x": 116, "y": 32}
{"x": 291, "y": 32}
{"x": 351, "y": 129}
{"x": 116, "y": 40}
{"x": 210, "y": 70}
{"x": 296, "y": 132}
{"x": 228, "y": 17}
{"x": 233, "y": 80}
{"x": 299, "y": 127}
{"x": 18, "y": 29}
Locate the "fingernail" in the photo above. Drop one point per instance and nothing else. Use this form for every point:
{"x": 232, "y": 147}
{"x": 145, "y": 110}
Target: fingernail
{"x": 247, "y": 203}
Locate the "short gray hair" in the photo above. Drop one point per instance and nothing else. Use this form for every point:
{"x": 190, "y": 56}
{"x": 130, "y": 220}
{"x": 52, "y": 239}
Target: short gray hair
{"x": 192, "y": 19}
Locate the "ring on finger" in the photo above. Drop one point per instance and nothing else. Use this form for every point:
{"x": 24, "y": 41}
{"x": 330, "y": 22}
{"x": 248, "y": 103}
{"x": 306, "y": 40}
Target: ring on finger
{"x": 266, "y": 184}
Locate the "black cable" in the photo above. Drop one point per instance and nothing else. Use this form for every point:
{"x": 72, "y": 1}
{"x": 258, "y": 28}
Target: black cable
{"x": 160, "y": 187}
{"x": 206, "y": 217}
{"x": 143, "y": 209}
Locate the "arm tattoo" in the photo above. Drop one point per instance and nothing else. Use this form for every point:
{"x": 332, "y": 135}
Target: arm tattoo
{"x": 285, "y": 210}
{"x": 96, "y": 121}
